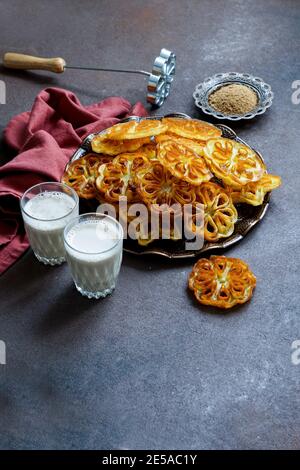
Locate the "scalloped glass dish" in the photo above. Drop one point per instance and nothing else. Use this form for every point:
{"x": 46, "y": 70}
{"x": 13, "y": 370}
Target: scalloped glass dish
{"x": 211, "y": 84}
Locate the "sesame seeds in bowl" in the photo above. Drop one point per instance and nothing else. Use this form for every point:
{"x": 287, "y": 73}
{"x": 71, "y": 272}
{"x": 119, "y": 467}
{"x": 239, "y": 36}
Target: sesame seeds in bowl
{"x": 214, "y": 91}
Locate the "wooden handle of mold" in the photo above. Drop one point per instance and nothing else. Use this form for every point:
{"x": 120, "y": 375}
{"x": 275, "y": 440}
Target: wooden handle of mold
{"x": 13, "y": 60}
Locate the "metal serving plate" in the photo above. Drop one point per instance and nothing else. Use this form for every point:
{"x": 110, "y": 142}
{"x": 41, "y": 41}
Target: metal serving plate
{"x": 248, "y": 216}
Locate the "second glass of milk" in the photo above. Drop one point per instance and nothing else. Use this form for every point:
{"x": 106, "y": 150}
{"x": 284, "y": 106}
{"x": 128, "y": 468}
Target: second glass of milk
{"x": 94, "y": 244}
{"x": 46, "y": 210}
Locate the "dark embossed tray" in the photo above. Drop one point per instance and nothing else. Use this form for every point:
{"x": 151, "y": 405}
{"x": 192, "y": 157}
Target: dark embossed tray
{"x": 248, "y": 216}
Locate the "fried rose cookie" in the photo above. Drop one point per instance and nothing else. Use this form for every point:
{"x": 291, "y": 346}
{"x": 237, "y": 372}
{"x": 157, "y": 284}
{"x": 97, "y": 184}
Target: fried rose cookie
{"x": 115, "y": 147}
{"x": 196, "y": 146}
{"x": 117, "y": 178}
{"x": 192, "y": 128}
{"x": 182, "y": 162}
{"x": 234, "y": 163}
{"x": 222, "y": 282}
{"x": 134, "y": 130}
{"x": 220, "y": 215}
{"x": 156, "y": 185}
{"x": 254, "y": 193}
{"x": 81, "y": 174}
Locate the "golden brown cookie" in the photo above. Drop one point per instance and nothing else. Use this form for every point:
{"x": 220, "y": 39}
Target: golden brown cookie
{"x": 234, "y": 163}
{"x": 222, "y": 282}
{"x": 81, "y": 174}
{"x": 183, "y": 162}
{"x": 117, "y": 178}
{"x": 134, "y": 130}
{"x": 150, "y": 151}
{"x": 156, "y": 185}
{"x": 115, "y": 147}
{"x": 220, "y": 215}
{"x": 254, "y": 193}
{"x": 192, "y": 128}
{"x": 196, "y": 146}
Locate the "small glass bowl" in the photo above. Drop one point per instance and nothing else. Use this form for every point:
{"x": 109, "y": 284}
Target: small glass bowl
{"x": 211, "y": 84}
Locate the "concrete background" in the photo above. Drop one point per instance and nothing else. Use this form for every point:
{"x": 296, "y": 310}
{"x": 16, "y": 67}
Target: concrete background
{"x": 148, "y": 367}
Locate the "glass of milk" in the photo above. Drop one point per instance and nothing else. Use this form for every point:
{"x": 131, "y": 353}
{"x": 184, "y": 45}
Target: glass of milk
{"x": 46, "y": 210}
{"x": 94, "y": 244}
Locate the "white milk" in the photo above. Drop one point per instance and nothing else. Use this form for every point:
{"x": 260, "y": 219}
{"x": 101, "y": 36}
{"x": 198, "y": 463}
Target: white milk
{"x": 51, "y": 211}
{"x": 94, "y": 254}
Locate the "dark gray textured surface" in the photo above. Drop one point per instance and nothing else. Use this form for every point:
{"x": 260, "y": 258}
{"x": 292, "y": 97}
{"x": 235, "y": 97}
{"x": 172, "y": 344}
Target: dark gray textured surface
{"x": 147, "y": 367}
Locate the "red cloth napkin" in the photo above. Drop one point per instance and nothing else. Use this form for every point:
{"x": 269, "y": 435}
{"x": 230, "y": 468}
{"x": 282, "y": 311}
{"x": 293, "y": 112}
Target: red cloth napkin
{"x": 45, "y": 139}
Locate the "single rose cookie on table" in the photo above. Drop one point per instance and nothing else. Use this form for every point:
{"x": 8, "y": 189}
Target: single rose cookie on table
{"x": 222, "y": 282}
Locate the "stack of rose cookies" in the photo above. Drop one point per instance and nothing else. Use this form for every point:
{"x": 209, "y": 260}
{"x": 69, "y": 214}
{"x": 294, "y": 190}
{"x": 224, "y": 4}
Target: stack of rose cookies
{"x": 161, "y": 163}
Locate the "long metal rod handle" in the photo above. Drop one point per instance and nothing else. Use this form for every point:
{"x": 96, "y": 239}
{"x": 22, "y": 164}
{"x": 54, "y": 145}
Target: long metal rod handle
{"x": 140, "y": 72}
{"x": 14, "y": 60}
